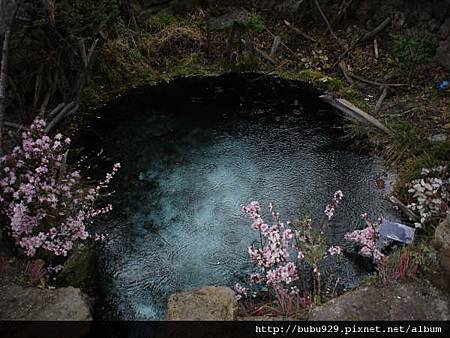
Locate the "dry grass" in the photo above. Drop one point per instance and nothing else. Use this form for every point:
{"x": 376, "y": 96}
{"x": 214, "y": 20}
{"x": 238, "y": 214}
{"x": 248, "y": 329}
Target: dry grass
{"x": 170, "y": 42}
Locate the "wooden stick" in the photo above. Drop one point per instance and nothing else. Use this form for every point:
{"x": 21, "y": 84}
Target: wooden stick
{"x": 408, "y": 212}
{"x": 298, "y": 31}
{"x": 376, "y": 30}
{"x": 366, "y": 36}
{"x": 56, "y": 110}
{"x": 343, "y": 68}
{"x": 284, "y": 45}
{"x": 265, "y": 55}
{"x": 375, "y": 48}
{"x": 355, "y": 113}
{"x": 69, "y": 109}
{"x": 326, "y": 21}
{"x": 275, "y": 45}
{"x": 375, "y": 83}
{"x": 14, "y": 125}
{"x": 381, "y": 99}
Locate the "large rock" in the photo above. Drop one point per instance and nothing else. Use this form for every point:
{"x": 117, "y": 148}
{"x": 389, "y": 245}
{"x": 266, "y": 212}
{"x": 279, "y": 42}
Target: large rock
{"x": 397, "y": 301}
{"x": 29, "y": 303}
{"x": 208, "y": 303}
{"x": 441, "y": 242}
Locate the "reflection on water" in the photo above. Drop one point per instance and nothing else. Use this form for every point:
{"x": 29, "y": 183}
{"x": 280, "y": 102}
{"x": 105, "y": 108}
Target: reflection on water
{"x": 188, "y": 168}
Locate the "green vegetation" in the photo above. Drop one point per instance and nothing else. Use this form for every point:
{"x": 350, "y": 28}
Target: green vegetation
{"x": 254, "y": 23}
{"x": 411, "y": 147}
{"x": 80, "y": 268}
{"x": 414, "y": 49}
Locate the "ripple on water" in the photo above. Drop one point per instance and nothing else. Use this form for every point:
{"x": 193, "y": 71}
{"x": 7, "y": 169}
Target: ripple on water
{"x": 188, "y": 176}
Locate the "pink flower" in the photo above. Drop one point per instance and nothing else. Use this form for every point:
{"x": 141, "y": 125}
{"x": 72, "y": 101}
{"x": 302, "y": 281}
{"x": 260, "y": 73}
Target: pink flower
{"x": 335, "y": 250}
{"x": 46, "y": 210}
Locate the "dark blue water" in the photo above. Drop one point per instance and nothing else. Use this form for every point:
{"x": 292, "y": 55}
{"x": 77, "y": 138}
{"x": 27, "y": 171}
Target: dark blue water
{"x": 192, "y": 153}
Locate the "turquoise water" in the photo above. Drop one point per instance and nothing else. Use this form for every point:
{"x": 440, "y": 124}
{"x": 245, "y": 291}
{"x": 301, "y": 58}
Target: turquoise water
{"x": 191, "y": 157}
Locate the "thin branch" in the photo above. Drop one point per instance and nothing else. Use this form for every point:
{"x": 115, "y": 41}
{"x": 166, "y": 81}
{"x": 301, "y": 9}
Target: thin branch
{"x": 376, "y": 83}
{"x": 298, "y": 31}
{"x": 265, "y": 55}
{"x": 283, "y": 44}
{"x": 275, "y": 45}
{"x": 56, "y": 110}
{"x": 408, "y": 212}
{"x": 14, "y": 125}
{"x": 383, "y": 95}
{"x": 343, "y": 68}
{"x": 376, "y": 30}
{"x": 326, "y": 21}
{"x": 375, "y": 49}
{"x": 366, "y": 36}
{"x": 355, "y": 113}
{"x": 69, "y": 109}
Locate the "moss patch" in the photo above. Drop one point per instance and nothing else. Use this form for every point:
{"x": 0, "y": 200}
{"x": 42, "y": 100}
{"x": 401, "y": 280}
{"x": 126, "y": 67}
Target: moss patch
{"x": 80, "y": 269}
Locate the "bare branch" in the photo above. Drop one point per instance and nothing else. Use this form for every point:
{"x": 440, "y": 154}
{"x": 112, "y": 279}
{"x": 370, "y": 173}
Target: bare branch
{"x": 298, "y": 31}
{"x": 275, "y": 45}
{"x": 355, "y": 113}
{"x": 366, "y": 36}
{"x": 56, "y": 110}
{"x": 326, "y": 21}
{"x": 383, "y": 95}
{"x": 14, "y": 125}
{"x": 69, "y": 109}
{"x": 376, "y": 30}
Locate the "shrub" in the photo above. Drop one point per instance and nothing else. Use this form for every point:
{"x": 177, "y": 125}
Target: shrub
{"x": 368, "y": 239}
{"x": 34, "y": 273}
{"x": 254, "y": 23}
{"x": 281, "y": 250}
{"x": 47, "y": 205}
{"x": 414, "y": 49}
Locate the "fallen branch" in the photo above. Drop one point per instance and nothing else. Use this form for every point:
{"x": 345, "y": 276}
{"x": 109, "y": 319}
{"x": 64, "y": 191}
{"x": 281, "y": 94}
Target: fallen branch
{"x": 355, "y": 113}
{"x": 326, "y": 21}
{"x": 14, "y": 125}
{"x": 265, "y": 55}
{"x": 343, "y": 68}
{"x": 376, "y": 30}
{"x": 56, "y": 110}
{"x": 366, "y": 36}
{"x": 284, "y": 45}
{"x": 275, "y": 45}
{"x": 376, "y": 83}
{"x": 260, "y": 52}
{"x": 408, "y": 212}
{"x": 298, "y": 31}
{"x": 68, "y": 110}
{"x": 375, "y": 49}
{"x": 383, "y": 95}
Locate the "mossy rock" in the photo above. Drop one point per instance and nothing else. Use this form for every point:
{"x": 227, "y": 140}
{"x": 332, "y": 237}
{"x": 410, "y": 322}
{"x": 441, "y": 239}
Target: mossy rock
{"x": 80, "y": 269}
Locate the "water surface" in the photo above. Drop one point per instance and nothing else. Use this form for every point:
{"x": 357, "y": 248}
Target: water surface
{"x": 192, "y": 153}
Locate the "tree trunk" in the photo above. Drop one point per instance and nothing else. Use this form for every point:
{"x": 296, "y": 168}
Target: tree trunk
{"x": 3, "y": 82}
{"x": 8, "y": 11}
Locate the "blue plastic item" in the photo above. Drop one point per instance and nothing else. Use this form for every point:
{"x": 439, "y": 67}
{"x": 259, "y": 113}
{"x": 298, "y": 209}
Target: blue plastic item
{"x": 395, "y": 232}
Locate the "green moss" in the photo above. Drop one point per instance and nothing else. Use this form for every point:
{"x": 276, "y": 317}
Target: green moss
{"x": 80, "y": 268}
{"x": 254, "y": 23}
{"x": 189, "y": 66}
